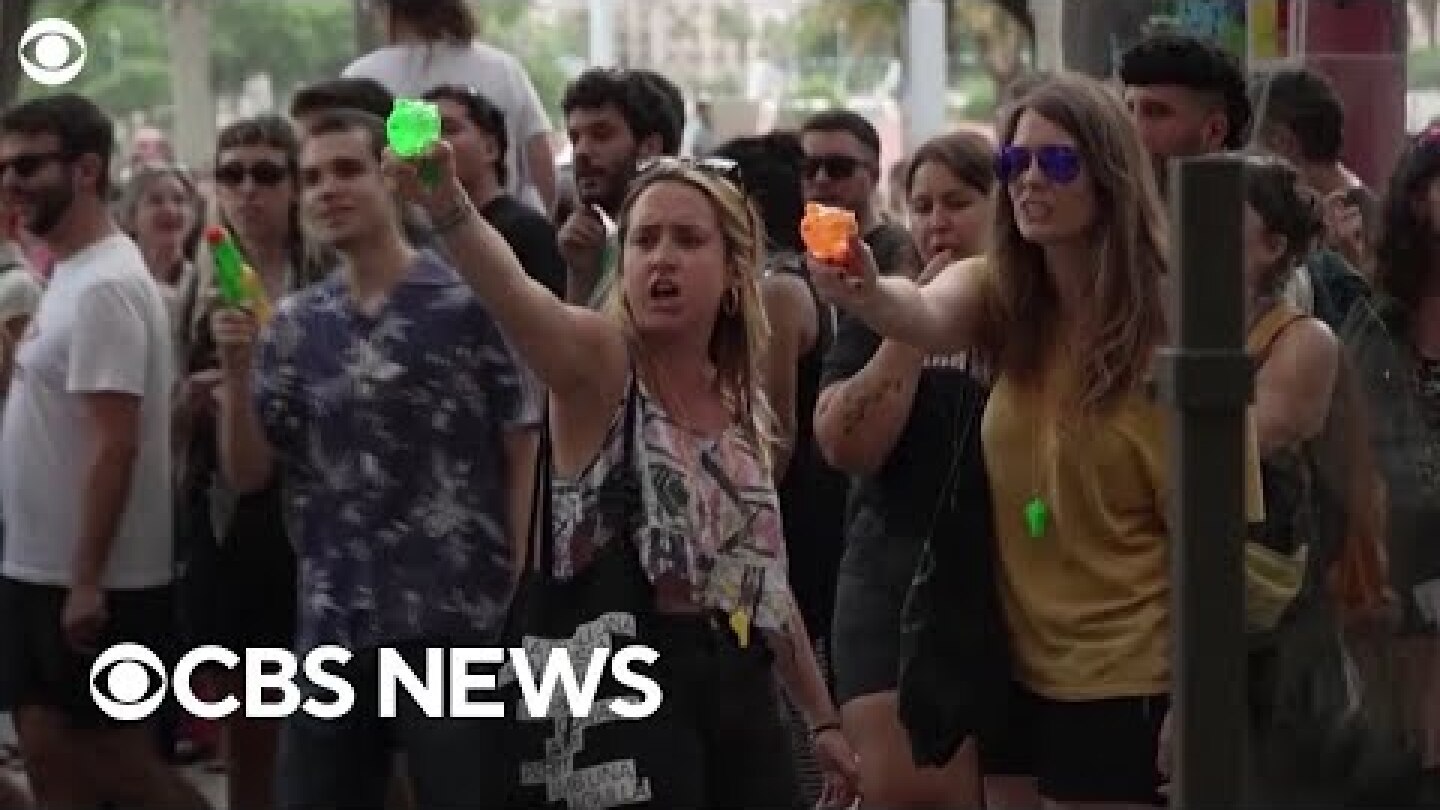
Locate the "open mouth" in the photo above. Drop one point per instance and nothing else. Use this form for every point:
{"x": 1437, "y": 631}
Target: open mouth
{"x": 663, "y": 289}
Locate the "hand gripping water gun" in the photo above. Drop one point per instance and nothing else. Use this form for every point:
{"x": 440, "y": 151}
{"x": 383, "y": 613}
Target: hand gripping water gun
{"x": 411, "y": 128}
{"x": 237, "y": 281}
{"x": 827, "y": 232}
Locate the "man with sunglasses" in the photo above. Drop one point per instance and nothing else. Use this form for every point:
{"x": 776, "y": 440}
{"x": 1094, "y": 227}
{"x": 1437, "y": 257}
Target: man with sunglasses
{"x": 842, "y": 169}
{"x": 85, "y": 468}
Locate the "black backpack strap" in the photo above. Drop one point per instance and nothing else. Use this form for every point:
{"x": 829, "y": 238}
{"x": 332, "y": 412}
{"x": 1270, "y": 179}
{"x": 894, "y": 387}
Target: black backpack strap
{"x": 538, "y": 552}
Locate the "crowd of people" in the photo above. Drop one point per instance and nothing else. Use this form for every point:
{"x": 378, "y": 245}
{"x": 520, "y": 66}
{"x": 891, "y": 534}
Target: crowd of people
{"x": 898, "y": 525}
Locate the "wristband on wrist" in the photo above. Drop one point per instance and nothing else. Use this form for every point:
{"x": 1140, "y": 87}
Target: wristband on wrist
{"x": 453, "y": 218}
{"x": 816, "y": 731}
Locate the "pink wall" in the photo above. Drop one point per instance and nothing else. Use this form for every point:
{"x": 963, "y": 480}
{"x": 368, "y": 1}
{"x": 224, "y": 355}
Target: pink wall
{"x": 1359, "y": 45}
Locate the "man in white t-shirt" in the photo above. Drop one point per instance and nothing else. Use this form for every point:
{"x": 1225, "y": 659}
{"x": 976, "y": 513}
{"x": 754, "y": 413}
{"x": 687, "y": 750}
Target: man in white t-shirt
{"x": 84, "y": 472}
{"x": 432, "y": 43}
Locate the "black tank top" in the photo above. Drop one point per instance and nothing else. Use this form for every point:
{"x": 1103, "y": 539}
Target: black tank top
{"x": 812, "y": 493}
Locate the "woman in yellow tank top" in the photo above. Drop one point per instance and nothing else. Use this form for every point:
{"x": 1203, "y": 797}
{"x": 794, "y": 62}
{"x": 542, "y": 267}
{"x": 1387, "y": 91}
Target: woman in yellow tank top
{"x": 1069, "y": 300}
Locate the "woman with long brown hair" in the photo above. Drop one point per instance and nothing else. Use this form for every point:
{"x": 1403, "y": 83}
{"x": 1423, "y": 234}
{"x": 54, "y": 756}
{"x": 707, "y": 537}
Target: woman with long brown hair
{"x": 1068, "y": 301}
{"x": 240, "y": 586}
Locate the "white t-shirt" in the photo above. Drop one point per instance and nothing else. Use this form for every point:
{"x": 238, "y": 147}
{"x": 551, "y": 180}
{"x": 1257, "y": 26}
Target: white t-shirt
{"x": 101, "y": 327}
{"x": 410, "y": 71}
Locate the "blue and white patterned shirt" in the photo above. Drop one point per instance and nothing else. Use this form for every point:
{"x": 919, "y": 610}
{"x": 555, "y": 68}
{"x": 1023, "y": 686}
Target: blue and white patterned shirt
{"x": 387, "y": 432}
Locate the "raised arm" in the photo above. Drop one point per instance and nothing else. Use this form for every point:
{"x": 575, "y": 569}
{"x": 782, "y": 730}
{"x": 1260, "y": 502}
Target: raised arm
{"x": 944, "y": 316}
{"x": 859, "y": 419}
{"x": 572, "y": 350}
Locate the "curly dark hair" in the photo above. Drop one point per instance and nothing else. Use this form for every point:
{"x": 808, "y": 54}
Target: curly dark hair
{"x": 645, "y": 102}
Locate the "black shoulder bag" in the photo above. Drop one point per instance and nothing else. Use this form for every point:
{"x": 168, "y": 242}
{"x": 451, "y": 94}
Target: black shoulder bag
{"x": 559, "y": 761}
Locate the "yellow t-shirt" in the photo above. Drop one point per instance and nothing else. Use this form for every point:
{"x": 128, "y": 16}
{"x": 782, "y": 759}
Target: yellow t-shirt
{"x": 1087, "y": 604}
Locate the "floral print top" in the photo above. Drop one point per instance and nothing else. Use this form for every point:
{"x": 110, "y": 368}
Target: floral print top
{"x": 709, "y": 530}
{"x": 388, "y": 434}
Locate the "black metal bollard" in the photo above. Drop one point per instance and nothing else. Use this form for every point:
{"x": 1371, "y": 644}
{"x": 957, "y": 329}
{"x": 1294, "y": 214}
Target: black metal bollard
{"x": 1208, "y": 378}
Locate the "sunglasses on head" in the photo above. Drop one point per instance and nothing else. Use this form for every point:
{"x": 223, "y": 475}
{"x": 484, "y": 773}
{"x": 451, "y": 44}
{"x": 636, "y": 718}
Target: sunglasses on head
{"x": 27, "y": 165}
{"x": 264, "y": 173}
{"x": 838, "y": 167}
{"x": 724, "y": 168}
{"x": 1060, "y": 164}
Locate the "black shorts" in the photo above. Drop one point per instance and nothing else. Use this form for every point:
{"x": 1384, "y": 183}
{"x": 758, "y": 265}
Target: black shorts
{"x": 241, "y": 593}
{"x": 875, "y": 576}
{"x": 38, "y": 667}
{"x": 1081, "y": 751}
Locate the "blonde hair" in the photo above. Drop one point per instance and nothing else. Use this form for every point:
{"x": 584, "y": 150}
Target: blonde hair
{"x": 138, "y": 186}
{"x": 1124, "y": 320}
{"x": 742, "y": 331}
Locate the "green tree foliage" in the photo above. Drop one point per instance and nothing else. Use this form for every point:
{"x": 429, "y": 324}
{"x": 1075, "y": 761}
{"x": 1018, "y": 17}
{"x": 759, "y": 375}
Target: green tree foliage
{"x": 126, "y": 67}
{"x": 543, "y": 48}
{"x": 291, "y": 41}
{"x": 987, "y": 37}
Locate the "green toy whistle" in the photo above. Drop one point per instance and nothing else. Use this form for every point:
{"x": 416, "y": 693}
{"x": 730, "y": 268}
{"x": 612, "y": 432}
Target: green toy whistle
{"x": 1037, "y": 518}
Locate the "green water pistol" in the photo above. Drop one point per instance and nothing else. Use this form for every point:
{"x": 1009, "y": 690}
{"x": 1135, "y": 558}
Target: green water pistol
{"x": 237, "y": 281}
{"x": 413, "y": 126}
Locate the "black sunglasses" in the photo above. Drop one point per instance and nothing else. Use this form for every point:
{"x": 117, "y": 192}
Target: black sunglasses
{"x": 837, "y": 167}
{"x": 264, "y": 173}
{"x": 27, "y": 165}
{"x": 724, "y": 168}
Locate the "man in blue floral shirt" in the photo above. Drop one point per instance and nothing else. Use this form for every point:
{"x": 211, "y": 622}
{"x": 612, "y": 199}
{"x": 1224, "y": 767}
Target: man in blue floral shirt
{"x": 404, "y": 430}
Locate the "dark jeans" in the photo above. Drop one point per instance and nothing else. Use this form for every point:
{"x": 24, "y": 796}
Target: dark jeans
{"x": 347, "y": 762}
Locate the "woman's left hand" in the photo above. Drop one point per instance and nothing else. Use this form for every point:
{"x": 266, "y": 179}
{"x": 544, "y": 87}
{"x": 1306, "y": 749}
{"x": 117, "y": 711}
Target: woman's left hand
{"x": 840, "y": 767}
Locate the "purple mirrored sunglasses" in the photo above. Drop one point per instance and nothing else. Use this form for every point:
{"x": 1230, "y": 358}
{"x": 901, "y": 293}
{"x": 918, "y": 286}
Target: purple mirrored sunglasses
{"x": 1059, "y": 163}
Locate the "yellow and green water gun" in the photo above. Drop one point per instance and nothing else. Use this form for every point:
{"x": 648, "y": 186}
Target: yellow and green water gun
{"x": 237, "y": 281}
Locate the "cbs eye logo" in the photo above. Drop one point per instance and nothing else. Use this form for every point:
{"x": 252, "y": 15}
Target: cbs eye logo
{"x": 128, "y": 682}
{"x": 59, "y": 52}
